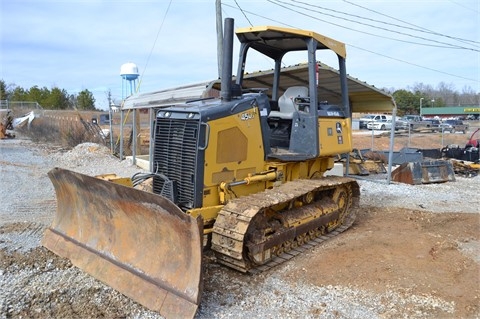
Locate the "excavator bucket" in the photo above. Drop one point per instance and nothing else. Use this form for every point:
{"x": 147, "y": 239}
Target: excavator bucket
{"x": 139, "y": 243}
{"x": 426, "y": 172}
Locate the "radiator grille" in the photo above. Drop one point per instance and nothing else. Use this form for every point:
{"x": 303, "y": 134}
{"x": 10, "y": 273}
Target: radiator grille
{"x": 175, "y": 156}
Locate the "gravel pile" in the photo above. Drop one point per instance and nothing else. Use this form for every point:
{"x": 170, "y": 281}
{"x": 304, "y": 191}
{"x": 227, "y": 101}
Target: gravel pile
{"x": 46, "y": 283}
{"x": 93, "y": 159}
{"x": 461, "y": 196}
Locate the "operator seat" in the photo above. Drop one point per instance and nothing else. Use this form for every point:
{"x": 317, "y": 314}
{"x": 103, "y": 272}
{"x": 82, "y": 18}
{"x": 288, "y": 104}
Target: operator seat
{"x": 286, "y": 102}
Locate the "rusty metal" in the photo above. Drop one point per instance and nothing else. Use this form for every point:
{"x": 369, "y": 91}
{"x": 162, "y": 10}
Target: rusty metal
{"x": 466, "y": 169}
{"x": 136, "y": 242}
{"x": 426, "y": 172}
{"x": 244, "y": 231}
{"x": 366, "y": 164}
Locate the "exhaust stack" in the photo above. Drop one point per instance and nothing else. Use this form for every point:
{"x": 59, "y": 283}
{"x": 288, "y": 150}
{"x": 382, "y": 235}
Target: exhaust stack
{"x": 226, "y": 85}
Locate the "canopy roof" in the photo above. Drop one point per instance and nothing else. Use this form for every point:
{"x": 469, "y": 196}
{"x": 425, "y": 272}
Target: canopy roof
{"x": 276, "y": 41}
{"x": 363, "y": 97}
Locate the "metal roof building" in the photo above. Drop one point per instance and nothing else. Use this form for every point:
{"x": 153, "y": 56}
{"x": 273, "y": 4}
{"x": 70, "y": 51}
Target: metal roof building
{"x": 451, "y": 111}
{"x": 363, "y": 97}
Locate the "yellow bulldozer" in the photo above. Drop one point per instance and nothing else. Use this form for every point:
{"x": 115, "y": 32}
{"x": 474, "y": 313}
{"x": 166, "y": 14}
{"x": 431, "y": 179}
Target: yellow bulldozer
{"x": 243, "y": 172}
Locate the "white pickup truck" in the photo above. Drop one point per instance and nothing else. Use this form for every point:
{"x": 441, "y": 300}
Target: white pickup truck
{"x": 370, "y": 118}
{"x": 380, "y": 125}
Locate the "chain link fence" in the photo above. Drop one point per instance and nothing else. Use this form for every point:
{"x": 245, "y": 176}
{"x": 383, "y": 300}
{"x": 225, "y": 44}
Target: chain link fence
{"x": 16, "y": 105}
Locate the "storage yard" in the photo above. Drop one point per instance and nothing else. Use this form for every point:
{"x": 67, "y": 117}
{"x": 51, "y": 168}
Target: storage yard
{"x": 252, "y": 195}
{"x": 413, "y": 251}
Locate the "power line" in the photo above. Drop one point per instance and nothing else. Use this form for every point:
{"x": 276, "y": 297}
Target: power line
{"x": 260, "y": 16}
{"x": 442, "y": 44}
{"x": 464, "y": 6}
{"x": 417, "y": 65}
{"x": 243, "y": 12}
{"x": 419, "y": 28}
{"x": 153, "y": 46}
{"x": 372, "y": 52}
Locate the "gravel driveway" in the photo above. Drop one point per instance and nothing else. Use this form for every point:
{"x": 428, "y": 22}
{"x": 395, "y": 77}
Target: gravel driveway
{"x": 36, "y": 283}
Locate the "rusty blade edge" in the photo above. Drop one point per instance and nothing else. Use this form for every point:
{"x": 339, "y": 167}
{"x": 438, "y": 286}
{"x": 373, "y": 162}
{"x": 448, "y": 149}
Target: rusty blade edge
{"x": 168, "y": 302}
{"x": 123, "y": 266}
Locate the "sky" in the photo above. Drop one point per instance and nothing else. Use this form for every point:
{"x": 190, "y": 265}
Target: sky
{"x": 82, "y": 44}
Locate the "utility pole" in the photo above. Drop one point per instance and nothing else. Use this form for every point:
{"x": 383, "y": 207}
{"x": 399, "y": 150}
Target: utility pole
{"x": 110, "y": 117}
{"x": 218, "y": 10}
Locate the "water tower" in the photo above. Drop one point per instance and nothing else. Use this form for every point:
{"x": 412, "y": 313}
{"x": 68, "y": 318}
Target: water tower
{"x": 129, "y": 74}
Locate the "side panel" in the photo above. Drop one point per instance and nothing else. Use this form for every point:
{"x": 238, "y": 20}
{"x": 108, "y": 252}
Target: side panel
{"x": 335, "y": 135}
{"x": 235, "y": 150}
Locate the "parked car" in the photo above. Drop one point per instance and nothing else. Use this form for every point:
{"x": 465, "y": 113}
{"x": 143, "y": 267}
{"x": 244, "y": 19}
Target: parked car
{"x": 413, "y": 118}
{"x": 380, "y": 125}
{"x": 371, "y": 118}
{"x": 433, "y": 124}
{"x": 415, "y": 122}
{"x": 401, "y": 123}
{"x": 453, "y": 126}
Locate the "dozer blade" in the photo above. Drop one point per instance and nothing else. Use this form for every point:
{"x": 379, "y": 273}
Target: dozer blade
{"x": 139, "y": 243}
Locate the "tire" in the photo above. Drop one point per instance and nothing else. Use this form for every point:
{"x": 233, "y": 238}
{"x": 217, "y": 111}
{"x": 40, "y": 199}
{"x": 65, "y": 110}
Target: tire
{"x": 382, "y": 127}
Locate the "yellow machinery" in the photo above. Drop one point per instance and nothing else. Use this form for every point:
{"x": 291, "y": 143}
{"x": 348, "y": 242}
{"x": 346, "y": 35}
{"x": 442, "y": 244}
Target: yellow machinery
{"x": 245, "y": 170}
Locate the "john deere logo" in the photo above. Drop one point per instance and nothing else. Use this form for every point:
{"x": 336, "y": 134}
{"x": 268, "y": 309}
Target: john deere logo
{"x": 247, "y": 116}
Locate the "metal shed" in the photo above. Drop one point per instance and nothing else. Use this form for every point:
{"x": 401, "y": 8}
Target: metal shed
{"x": 363, "y": 97}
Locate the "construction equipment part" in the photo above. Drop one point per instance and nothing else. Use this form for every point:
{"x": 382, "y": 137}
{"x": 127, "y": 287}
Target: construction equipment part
{"x": 425, "y": 172}
{"x": 245, "y": 170}
{"x": 259, "y": 226}
{"x": 137, "y": 242}
{"x": 474, "y": 140}
{"x": 466, "y": 169}
{"x": 6, "y": 120}
{"x": 365, "y": 163}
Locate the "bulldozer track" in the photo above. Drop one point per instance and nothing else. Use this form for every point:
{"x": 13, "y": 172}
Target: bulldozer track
{"x": 230, "y": 232}
{"x": 308, "y": 245}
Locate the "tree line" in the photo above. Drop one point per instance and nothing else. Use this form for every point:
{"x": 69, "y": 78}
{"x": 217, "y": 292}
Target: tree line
{"x": 409, "y": 100}
{"x": 52, "y": 99}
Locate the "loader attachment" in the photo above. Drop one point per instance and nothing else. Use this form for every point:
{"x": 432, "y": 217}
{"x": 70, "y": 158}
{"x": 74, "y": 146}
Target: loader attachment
{"x": 426, "y": 172}
{"x": 139, "y": 243}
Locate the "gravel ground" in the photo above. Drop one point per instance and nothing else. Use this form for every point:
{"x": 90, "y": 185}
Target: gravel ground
{"x": 461, "y": 196}
{"x": 36, "y": 283}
